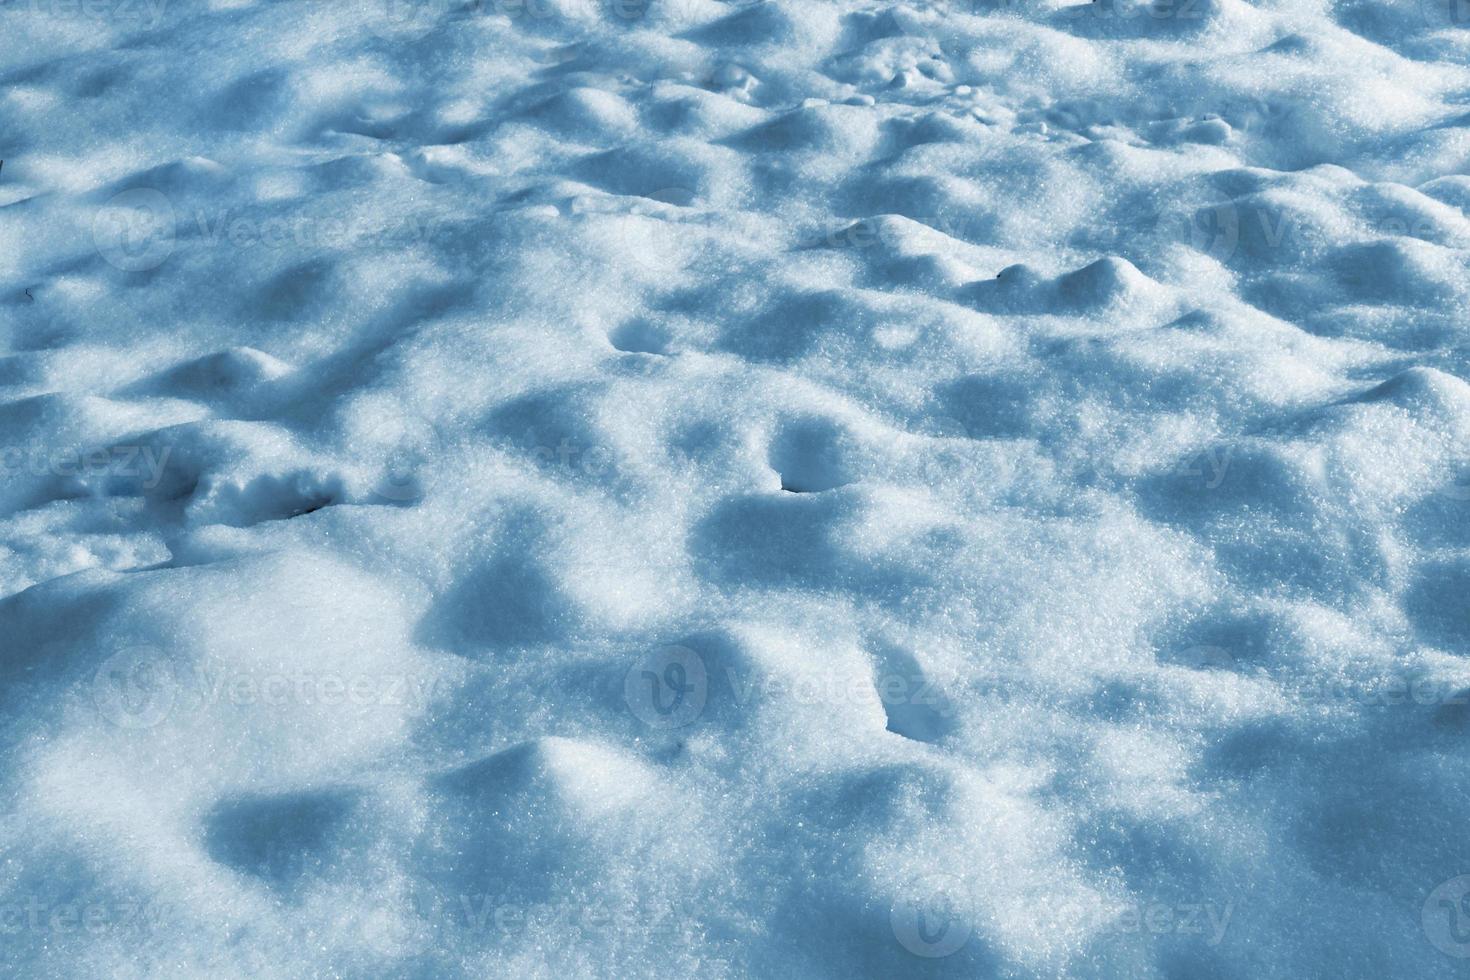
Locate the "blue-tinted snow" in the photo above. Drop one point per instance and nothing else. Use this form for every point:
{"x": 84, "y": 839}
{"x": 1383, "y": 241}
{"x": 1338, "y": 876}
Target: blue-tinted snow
{"x": 798, "y": 488}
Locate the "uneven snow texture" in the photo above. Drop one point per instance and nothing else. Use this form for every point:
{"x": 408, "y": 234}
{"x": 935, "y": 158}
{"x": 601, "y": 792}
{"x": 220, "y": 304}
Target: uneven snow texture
{"x": 796, "y": 488}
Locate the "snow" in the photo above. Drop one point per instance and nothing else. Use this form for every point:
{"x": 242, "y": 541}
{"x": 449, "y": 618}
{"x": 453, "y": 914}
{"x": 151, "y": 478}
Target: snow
{"x": 724, "y": 488}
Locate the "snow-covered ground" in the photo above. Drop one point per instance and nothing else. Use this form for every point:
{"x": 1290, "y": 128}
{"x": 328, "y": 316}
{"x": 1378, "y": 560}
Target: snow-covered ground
{"x": 713, "y": 488}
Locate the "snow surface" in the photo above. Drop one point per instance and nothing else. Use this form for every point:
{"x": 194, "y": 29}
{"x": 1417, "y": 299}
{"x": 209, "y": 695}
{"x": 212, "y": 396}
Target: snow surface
{"x": 797, "y": 488}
